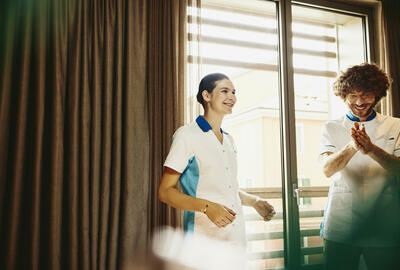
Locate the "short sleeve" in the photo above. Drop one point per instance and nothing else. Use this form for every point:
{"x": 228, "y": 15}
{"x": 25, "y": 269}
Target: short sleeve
{"x": 180, "y": 151}
{"x": 327, "y": 144}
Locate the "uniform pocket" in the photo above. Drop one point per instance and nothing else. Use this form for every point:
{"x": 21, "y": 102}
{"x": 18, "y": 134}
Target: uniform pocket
{"x": 339, "y": 220}
{"x": 341, "y": 187}
{"x": 386, "y": 144}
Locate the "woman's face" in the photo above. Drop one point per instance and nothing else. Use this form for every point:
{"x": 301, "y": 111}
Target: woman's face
{"x": 361, "y": 103}
{"x": 222, "y": 98}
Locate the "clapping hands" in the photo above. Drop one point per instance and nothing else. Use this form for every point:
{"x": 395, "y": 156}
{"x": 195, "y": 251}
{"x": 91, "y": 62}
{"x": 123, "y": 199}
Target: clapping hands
{"x": 361, "y": 139}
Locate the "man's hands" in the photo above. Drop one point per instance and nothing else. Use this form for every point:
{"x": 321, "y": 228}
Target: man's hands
{"x": 334, "y": 162}
{"x": 263, "y": 208}
{"x": 220, "y": 215}
{"x": 363, "y": 143}
{"x": 361, "y": 139}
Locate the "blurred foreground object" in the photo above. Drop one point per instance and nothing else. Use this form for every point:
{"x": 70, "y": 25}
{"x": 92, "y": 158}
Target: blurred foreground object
{"x": 194, "y": 251}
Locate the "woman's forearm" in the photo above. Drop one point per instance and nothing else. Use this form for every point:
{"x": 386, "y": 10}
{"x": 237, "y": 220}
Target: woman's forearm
{"x": 219, "y": 214}
{"x": 180, "y": 200}
{"x": 246, "y": 198}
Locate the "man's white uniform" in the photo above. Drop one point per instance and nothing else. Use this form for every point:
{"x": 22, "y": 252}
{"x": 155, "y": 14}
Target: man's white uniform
{"x": 209, "y": 171}
{"x": 363, "y": 207}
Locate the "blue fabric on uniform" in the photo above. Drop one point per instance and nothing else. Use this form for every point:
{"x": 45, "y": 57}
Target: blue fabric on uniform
{"x": 204, "y": 125}
{"x": 189, "y": 180}
{"x": 321, "y": 227}
{"x": 356, "y": 119}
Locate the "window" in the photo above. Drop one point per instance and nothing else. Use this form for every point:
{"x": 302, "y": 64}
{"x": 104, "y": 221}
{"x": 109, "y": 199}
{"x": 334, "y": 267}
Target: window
{"x": 248, "y": 180}
{"x": 242, "y": 39}
{"x": 300, "y": 138}
{"x": 337, "y": 41}
{"x": 304, "y": 182}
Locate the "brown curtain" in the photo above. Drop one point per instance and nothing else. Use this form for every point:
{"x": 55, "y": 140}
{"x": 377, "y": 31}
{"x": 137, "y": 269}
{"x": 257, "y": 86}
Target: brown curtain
{"x": 78, "y": 128}
{"x": 391, "y": 24}
{"x": 166, "y": 83}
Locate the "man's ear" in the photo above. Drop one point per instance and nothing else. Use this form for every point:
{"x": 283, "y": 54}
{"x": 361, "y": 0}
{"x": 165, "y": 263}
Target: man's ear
{"x": 206, "y": 95}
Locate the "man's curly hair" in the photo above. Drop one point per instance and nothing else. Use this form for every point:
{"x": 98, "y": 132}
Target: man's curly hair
{"x": 366, "y": 77}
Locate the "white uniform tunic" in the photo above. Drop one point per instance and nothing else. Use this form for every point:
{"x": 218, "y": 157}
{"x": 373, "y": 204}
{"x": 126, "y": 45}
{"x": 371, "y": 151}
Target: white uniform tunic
{"x": 363, "y": 207}
{"x": 209, "y": 171}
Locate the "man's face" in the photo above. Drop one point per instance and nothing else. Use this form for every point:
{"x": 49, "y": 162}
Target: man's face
{"x": 360, "y": 103}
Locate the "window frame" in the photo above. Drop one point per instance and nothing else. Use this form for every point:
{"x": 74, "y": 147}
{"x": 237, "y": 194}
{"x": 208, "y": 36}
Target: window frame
{"x": 292, "y": 247}
{"x": 292, "y": 250}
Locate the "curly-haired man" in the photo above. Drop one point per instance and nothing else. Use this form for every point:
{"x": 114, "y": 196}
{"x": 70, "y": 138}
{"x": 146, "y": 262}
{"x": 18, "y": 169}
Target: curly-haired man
{"x": 360, "y": 152}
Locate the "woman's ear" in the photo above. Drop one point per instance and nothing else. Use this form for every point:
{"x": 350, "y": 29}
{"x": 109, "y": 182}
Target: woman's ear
{"x": 206, "y": 95}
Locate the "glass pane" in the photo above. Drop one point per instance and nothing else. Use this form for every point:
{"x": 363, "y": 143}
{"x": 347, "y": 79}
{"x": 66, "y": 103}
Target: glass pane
{"x": 239, "y": 38}
{"x": 327, "y": 33}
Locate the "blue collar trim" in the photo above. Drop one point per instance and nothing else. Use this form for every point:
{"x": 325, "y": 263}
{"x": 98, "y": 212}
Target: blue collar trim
{"x": 356, "y": 119}
{"x": 204, "y": 125}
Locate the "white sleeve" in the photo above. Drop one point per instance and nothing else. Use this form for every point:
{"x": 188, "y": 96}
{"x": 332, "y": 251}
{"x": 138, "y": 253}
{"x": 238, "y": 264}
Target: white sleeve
{"x": 180, "y": 151}
{"x": 327, "y": 144}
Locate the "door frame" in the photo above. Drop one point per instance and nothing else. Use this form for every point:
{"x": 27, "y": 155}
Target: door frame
{"x": 290, "y": 198}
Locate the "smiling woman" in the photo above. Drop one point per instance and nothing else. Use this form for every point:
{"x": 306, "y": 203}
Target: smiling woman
{"x": 203, "y": 159}
{"x": 218, "y": 92}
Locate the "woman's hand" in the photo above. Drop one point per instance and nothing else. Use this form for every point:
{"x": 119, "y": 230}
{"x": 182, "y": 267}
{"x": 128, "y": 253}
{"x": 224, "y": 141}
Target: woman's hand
{"x": 219, "y": 214}
{"x": 265, "y": 210}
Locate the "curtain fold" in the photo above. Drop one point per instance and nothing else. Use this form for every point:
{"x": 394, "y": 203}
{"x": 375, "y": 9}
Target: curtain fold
{"x": 391, "y": 25}
{"x": 166, "y": 83}
{"x": 82, "y": 128}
